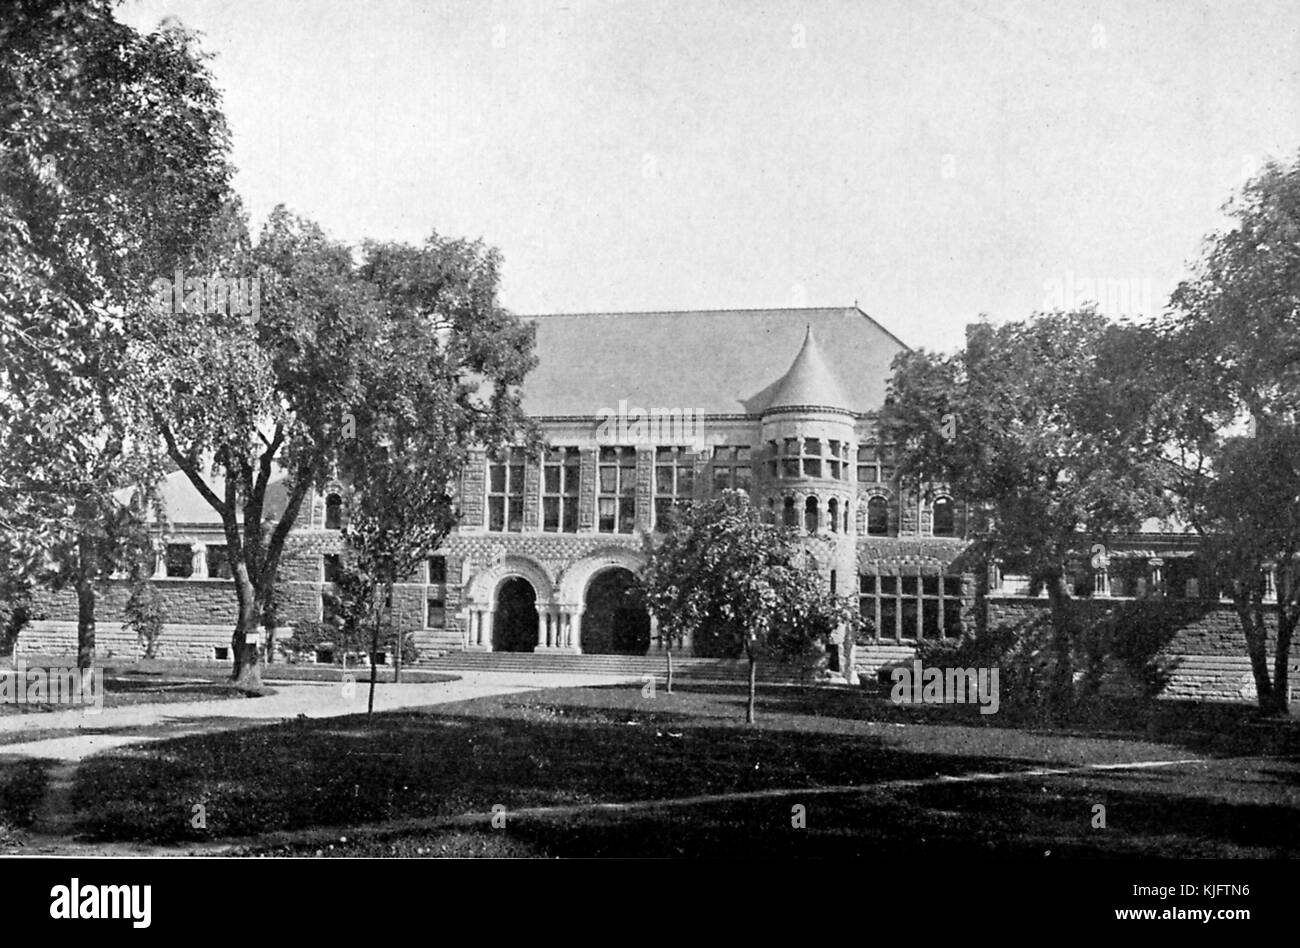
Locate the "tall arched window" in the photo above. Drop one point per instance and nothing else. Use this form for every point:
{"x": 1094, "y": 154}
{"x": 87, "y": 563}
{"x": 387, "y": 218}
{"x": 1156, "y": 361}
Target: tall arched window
{"x": 810, "y": 515}
{"x": 846, "y": 516}
{"x": 791, "y": 516}
{"x": 333, "y": 512}
{"x": 833, "y": 515}
{"x": 877, "y": 516}
{"x": 944, "y": 523}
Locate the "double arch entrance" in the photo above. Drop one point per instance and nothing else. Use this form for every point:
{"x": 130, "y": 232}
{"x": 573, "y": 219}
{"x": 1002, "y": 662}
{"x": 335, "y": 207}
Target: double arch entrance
{"x": 596, "y": 609}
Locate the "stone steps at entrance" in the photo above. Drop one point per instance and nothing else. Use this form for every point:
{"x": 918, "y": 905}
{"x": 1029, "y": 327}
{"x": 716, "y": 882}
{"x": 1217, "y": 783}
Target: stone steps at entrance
{"x": 684, "y": 667}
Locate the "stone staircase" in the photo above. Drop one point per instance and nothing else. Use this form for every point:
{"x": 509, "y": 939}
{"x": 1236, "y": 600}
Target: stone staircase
{"x": 873, "y": 659}
{"x": 685, "y": 668}
{"x": 1218, "y": 677}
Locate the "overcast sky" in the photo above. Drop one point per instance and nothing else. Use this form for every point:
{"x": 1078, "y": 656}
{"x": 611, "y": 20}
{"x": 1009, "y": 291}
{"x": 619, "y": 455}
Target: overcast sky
{"x": 930, "y": 159}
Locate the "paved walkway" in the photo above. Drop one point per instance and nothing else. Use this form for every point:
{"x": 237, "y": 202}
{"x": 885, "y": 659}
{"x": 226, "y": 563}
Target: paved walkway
{"x": 90, "y": 733}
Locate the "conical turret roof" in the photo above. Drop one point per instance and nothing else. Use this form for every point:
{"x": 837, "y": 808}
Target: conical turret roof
{"x": 809, "y": 382}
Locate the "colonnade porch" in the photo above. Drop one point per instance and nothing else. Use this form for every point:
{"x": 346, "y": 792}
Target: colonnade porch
{"x": 559, "y": 629}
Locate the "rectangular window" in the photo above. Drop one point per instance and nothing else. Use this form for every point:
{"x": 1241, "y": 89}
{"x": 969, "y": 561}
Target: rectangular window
{"x": 506, "y": 492}
{"x": 180, "y": 561}
{"x": 875, "y": 464}
{"x": 868, "y": 466}
{"x": 731, "y": 469}
{"x": 674, "y": 481}
{"x": 905, "y": 607}
{"x": 437, "y": 566}
{"x": 218, "y": 563}
{"x": 560, "y": 476}
{"x": 616, "y": 502}
{"x": 331, "y": 567}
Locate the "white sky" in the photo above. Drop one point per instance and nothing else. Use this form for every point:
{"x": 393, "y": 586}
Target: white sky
{"x": 931, "y": 159}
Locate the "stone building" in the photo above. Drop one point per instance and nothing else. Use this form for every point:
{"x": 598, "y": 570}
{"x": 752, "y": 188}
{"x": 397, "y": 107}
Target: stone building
{"x": 640, "y": 411}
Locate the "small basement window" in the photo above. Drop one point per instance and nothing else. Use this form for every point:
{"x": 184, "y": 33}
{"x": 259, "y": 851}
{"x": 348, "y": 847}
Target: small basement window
{"x": 221, "y": 653}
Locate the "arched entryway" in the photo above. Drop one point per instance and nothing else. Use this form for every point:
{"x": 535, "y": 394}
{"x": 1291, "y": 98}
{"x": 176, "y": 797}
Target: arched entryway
{"x": 514, "y": 626}
{"x": 614, "y": 620}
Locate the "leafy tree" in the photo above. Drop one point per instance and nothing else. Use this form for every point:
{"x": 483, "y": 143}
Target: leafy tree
{"x": 1230, "y": 353}
{"x": 1043, "y": 426}
{"x": 236, "y": 400}
{"x": 112, "y": 161}
{"x": 719, "y": 570}
{"x": 16, "y": 606}
{"x": 144, "y": 611}
{"x": 412, "y": 431}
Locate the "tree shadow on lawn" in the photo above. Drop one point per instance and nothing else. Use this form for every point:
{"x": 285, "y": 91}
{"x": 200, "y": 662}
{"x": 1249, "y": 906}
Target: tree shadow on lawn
{"x": 1020, "y": 818}
{"x": 23, "y": 782}
{"x": 1206, "y": 728}
{"x": 158, "y": 729}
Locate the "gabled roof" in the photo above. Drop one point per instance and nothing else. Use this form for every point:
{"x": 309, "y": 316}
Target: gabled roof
{"x": 715, "y": 362}
{"x": 184, "y": 506}
{"x": 809, "y": 381}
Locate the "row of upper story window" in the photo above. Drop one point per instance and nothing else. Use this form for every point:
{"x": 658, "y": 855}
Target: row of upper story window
{"x": 828, "y": 459}
{"x": 179, "y": 561}
{"x": 673, "y": 480}
{"x": 833, "y": 518}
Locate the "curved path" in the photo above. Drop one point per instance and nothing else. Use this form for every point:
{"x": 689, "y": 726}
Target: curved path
{"x": 82, "y": 733}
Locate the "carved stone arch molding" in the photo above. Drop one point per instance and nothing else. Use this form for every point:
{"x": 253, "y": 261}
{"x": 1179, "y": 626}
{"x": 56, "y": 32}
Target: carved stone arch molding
{"x": 574, "y": 580}
{"x": 482, "y": 588}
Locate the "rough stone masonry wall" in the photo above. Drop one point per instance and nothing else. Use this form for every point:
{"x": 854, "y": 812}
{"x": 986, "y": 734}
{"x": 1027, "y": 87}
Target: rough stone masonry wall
{"x": 201, "y": 613}
{"x": 1204, "y": 658}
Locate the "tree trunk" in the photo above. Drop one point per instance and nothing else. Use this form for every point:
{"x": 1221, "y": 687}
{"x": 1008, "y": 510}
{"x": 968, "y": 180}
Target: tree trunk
{"x": 85, "y": 602}
{"x": 1286, "y": 622}
{"x": 1250, "y": 611}
{"x": 753, "y": 679}
{"x": 398, "y": 635}
{"x": 374, "y": 668}
{"x": 85, "y": 623}
{"x": 1062, "y": 696}
{"x": 669, "y": 652}
{"x": 247, "y": 672}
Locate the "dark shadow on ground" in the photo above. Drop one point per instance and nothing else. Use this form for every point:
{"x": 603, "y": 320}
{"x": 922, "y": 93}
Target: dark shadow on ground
{"x": 1204, "y": 728}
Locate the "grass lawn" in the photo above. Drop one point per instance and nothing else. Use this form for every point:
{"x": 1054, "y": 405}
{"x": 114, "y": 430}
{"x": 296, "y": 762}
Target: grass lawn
{"x": 405, "y": 785}
{"x": 22, "y": 787}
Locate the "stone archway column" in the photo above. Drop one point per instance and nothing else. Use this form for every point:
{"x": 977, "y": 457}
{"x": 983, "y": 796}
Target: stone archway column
{"x": 558, "y": 631}
{"x": 480, "y": 630}
{"x": 557, "y": 628}
{"x": 574, "y": 641}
